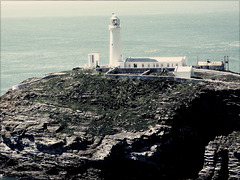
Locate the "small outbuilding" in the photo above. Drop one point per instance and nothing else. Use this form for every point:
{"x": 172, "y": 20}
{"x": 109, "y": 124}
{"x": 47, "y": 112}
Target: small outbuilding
{"x": 183, "y": 72}
{"x": 212, "y": 65}
{"x": 93, "y": 60}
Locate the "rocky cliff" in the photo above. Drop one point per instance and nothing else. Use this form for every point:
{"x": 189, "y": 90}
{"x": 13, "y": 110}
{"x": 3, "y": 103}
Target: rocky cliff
{"x": 82, "y": 125}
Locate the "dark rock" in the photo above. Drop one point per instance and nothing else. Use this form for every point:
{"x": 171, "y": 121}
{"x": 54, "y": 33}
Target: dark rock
{"x": 85, "y": 126}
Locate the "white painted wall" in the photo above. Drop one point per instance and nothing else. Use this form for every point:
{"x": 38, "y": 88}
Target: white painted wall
{"x": 183, "y": 72}
{"x": 162, "y": 63}
{"x": 93, "y": 60}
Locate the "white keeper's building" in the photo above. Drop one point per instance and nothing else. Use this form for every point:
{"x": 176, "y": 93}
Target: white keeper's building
{"x": 154, "y": 62}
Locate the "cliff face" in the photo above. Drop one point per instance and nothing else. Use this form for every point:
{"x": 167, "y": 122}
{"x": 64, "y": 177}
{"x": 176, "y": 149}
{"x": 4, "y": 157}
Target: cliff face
{"x": 82, "y": 125}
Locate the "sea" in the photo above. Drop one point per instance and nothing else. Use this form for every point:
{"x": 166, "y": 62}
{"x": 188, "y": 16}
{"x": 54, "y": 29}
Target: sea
{"x": 33, "y": 47}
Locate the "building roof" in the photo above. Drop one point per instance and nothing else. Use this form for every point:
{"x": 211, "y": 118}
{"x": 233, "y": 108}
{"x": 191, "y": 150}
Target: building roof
{"x": 183, "y": 69}
{"x": 140, "y": 59}
{"x": 155, "y": 59}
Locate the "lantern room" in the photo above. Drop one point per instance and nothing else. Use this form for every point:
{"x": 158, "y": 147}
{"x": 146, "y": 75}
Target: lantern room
{"x": 115, "y": 21}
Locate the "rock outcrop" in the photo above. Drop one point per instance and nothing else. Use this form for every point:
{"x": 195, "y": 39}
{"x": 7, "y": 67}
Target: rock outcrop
{"x": 221, "y": 158}
{"x": 81, "y": 125}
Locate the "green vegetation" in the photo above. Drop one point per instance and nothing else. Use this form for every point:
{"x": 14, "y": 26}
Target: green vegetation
{"x": 114, "y": 104}
{"x": 220, "y": 77}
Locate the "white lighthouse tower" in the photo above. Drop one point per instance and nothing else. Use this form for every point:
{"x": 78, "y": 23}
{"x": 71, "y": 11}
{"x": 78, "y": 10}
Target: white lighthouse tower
{"x": 115, "y": 56}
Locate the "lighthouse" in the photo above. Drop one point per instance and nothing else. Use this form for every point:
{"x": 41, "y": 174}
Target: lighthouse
{"x": 115, "y": 55}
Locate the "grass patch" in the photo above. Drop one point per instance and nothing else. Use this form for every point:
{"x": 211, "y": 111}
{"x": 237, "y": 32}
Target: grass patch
{"x": 122, "y": 104}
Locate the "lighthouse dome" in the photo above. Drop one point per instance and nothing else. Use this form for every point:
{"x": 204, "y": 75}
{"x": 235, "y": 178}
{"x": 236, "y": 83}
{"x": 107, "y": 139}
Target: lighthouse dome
{"x": 115, "y": 21}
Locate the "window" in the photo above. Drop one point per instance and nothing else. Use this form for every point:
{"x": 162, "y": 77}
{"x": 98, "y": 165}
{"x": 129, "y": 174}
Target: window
{"x": 148, "y": 65}
{"x": 142, "y": 65}
{"x": 114, "y": 22}
{"x": 92, "y": 58}
{"x": 157, "y": 65}
{"x": 135, "y": 65}
{"x": 129, "y": 65}
{"x": 153, "y": 65}
{"x": 161, "y": 65}
{"x": 176, "y": 64}
{"x": 167, "y": 64}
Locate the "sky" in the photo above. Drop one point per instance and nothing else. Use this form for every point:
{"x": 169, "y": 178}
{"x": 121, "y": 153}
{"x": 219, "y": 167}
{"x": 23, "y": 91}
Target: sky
{"x": 96, "y": 8}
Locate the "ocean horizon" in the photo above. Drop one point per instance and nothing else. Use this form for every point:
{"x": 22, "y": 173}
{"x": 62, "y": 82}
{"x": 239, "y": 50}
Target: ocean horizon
{"x": 35, "y": 46}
